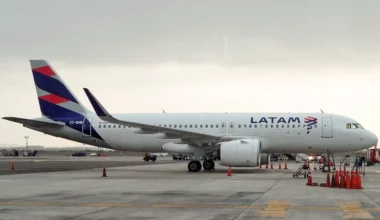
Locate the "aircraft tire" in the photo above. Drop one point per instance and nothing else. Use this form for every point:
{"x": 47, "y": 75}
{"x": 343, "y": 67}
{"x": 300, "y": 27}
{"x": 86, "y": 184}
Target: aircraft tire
{"x": 208, "y": 165}
{"x": 194, "y": 166}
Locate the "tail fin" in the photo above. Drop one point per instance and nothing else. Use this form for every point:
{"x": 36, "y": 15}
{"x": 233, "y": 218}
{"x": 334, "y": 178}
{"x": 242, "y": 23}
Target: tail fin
{"x": 55, "y": 98}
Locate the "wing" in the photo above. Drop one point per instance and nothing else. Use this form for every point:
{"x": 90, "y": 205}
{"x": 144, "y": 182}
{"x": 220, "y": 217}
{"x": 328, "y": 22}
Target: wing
{"x": 146, "y": 128}
{"x": 34, "y": 123}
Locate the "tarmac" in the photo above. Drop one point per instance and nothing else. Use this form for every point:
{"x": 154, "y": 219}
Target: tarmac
{"x": 165, "y": 190}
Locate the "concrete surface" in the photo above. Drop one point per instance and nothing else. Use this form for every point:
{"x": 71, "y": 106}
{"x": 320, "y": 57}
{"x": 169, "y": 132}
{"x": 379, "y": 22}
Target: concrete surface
{"x": 54, "y": 163}
{"x": 168, "y": 191}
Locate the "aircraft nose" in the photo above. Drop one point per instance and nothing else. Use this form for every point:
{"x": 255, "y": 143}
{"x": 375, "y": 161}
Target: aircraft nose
{"x": 372, "y": 138}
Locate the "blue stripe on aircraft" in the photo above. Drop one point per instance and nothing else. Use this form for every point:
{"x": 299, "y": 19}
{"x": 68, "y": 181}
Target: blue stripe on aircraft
{"x": 58, "y": 113}
{"x": 52, "y": 85}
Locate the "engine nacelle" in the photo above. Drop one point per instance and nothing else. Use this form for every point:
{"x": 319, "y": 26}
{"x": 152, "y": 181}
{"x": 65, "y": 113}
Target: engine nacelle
{"x": 240, "y": 153}
{"x": 178, "y": 148}
{"x": 265, "y": 159}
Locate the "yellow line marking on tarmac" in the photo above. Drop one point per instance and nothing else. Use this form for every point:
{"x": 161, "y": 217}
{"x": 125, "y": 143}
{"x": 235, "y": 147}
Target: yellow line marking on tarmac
{"x": 276, "y": 214}
{"x": 358, "y": 215}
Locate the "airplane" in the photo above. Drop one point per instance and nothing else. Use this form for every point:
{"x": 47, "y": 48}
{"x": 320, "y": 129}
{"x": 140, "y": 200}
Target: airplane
{"x": 236, "y": 139}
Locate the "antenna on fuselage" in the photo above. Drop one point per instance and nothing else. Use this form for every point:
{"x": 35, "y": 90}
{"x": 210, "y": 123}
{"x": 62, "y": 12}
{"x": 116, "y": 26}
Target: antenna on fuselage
{"x": 163, "y": 111}
{"x": 322, "y": 111}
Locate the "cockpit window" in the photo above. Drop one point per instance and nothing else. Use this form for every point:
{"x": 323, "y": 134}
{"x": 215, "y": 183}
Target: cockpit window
{"x": 354, "y": 126}
{"x": 357, "y": 125}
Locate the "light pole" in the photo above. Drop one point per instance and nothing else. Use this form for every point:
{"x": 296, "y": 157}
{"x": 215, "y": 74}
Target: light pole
{"x": 26, "y": 142}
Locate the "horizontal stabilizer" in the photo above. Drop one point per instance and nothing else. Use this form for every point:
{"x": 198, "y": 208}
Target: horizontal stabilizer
{"x": 34, "y": 123}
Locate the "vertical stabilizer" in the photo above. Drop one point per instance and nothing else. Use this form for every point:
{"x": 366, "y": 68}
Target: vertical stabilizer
{"x": 54, "y": 96}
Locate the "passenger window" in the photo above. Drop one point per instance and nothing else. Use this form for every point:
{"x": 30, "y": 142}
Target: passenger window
{"x": 125, "y": 126}
{"x": 170, "y": 126}
{"x": 165, "y": 126}
{"x": 315, "y": 126}
{"x": 299, "y": 126}
{"x": 205, "y": 126}
{"x": 211, "y": 126}
{"x": 119, "y": 126}
{"x": 348, "y": 126}
{"x": 271, "y": 126}
{"x": 282, "y": 126}
{"x": 191, "y": 126}
{"x": 109, "y": 126}
{"x": 294, "y": 126}
{"x": 180, "y": 126}
{"x": 195, "y": 126}
{"x": 217, "y": 126}
{"x": 277, "y": 126}
{"x": 255, "y": 126}
{"x": 304, "y": 125}
{"x": 175, "y": 126}
{"x": 245, "y": 126}
{"x": 250, "y": 126}
{"x": 200, "y": 126}
{"x": 100, "y": 126}
{"x": 266, "y": 126}
{"x": 239, "y": 126}
{"x": 185, "y": 126}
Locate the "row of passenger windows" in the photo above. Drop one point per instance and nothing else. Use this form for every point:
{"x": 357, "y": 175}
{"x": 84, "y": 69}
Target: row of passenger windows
{"x": 217, "y": 126}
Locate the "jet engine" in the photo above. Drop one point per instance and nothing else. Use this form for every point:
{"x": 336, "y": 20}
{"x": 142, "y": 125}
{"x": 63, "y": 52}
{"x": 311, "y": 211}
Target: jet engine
{"x": 241, "y": 153}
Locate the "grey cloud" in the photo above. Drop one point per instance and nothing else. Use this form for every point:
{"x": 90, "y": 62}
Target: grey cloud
{"x": 135, "y": 32}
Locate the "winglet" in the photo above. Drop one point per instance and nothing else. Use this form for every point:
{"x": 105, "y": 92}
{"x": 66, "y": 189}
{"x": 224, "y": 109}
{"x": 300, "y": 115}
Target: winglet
{"x": 99, "y": 109}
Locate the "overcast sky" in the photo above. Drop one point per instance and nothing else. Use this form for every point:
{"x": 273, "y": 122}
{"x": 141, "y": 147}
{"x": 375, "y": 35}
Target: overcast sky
{"x": 194, "y": 56}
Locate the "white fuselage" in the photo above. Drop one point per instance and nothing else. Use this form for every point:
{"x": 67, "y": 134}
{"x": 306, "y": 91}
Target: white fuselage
{"x": 278, "y": 132}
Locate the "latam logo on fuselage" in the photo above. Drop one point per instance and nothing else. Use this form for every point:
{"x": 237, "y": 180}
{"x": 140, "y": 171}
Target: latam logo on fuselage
{"x": 276, "y": 120}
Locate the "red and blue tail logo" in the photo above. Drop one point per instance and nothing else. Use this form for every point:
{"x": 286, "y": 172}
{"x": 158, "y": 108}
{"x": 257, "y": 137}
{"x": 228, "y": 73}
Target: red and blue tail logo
{"x": 310, "y": 121}
{"x": 55, "y": 98}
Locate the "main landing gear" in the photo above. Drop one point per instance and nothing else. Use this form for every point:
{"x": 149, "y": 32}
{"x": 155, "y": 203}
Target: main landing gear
{"x": 195, "y": 165}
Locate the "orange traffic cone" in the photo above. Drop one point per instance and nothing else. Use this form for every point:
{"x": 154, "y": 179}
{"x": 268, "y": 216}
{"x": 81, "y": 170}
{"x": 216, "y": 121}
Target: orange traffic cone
{"x": 104, "y": 172}
{"x": 261, "y": 166}
{"x": 359, "y": 180}
{"x": 229, "y": 172}
{"x": 328, "y": 179}
{"x": 333, "y": 180}
{"x": 266, "y": 166}
{"x": 279, "y": 165}
{"x": 337, "y": 183}
{"x": 353, "y": 177}
{"x": 309, "y": 179}
{"x": 348, "y": 181}
{"x": 12, "y": 166}
{"x": 271, "y": 165}
{"x": 342, "y": 181}
{"x": 286, "y": 166}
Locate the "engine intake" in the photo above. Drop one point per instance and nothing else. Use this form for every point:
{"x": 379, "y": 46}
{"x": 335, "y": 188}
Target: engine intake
{"x": 241, "y": 153}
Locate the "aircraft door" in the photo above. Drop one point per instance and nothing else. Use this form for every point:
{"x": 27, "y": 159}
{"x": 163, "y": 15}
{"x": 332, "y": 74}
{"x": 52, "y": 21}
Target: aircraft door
{"x": 86, "y": 127}
{"x": 327, "y": 127}
{"x": 223, "y": 127}
{"x": 231, "y": 127}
